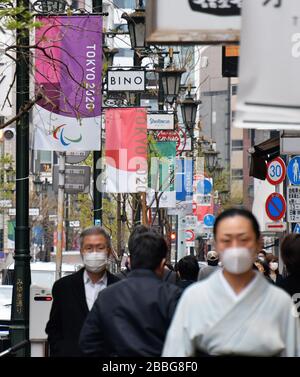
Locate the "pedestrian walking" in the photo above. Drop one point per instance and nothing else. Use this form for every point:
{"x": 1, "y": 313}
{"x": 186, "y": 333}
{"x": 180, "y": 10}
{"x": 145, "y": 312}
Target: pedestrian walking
{"x": 234, "y": 312}
{"x": 74, "y": 295}
{"x": 131, "y": 318}
{"x": 187, "y": 269}
{"x": 273, "y": 264}
{"x": 263, "y": 267}
{"x": 138, "y": 229}
{"x": 212, "y": 265}
{"x": 290, "y": 254}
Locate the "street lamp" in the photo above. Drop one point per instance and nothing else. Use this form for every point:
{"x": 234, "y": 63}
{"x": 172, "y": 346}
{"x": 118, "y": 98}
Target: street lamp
{"x": 218, "y": 170}
{"x": 38, "y": 183}
{"x": 189, "y": 111}
{"x": 136, "y": 27}
{"x": 111, "y": 218}
{"x": 211, "y": 157}
{"x": 223, "y": 196}
{"x": 10, "y": 174}
{"x": 171, "y": 78}
{"x": 50, "y": 6}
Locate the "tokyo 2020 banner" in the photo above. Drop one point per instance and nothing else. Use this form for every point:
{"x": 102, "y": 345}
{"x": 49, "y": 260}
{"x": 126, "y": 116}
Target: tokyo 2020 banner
{"x": 68, "y": 66}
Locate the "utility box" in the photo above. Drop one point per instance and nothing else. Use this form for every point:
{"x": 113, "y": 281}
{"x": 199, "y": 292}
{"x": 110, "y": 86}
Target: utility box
{"x": 39, "y": 312}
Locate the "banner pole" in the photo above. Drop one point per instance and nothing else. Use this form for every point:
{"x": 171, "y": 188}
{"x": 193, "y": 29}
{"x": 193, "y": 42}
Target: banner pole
{"x": 19, "y": 329}
{"x": 60, "y": 213}
{"x": 97, "y": 155}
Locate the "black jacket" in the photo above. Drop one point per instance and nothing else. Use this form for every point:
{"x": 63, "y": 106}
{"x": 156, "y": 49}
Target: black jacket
{"x": 130, "y": 318}
{"x": 183, "y": 284}
{"x": 291, "y": 284}
{"x": 68, "y": 312}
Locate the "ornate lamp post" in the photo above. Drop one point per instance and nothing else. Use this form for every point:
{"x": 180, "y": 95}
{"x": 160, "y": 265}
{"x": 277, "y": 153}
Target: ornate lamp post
{"x": 50, "y": 6}
{"x": 171, "y": 77}
{"x": 211, "y": 158}
{"x": 189, "y": 109}
{"x": 136, "y": 26}
{"x": 223, "y": 196}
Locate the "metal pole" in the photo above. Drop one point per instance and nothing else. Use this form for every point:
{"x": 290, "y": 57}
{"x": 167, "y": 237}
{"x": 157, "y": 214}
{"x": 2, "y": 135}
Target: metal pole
{"x": 161, "y": 65}
{"x": 176, "y": 240}
{"x": 19, "y": 330}
{"x": 60, "y": 213}
{"x": 139, "y": 200}
{"x": 67, "y": 220}
{"x": 97, "y": 155}
{"x": 119, "y": 230}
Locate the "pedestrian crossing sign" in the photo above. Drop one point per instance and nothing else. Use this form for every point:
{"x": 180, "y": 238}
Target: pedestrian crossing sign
{"x": 297, "y": 228}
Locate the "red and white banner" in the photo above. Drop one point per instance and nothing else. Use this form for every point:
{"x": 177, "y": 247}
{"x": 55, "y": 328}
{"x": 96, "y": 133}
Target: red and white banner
{"x": 126, "y": 169}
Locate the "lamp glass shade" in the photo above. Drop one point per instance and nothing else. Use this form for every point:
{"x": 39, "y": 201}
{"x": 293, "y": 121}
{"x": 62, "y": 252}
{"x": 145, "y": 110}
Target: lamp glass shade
{"x": 171, "y": 84}
{"x": 50, "y": 6}
{"x": 136, "y": 28}
{"x": 38, "y": 185}
{"x": 211, "y": 158}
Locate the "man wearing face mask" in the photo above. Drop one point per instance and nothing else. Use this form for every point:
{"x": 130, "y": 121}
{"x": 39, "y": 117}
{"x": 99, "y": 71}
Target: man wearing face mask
{"x": 74, "y": 295}
{"x": 131, "y": 318}
{"x": 226, "y": 323}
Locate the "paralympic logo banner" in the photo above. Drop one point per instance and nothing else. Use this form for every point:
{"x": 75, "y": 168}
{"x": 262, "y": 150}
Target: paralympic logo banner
{"x": 126, "y": 166}
{"x": 68, "y": 66}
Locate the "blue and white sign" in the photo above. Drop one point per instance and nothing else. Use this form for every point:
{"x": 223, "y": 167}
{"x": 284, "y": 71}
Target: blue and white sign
{"x": 293, "y": 171}
{"x": 184, "y": 179}
{"x": 297, "y": 228}
{"x": 204, "y": 187}
{"x": 209, "y": 221}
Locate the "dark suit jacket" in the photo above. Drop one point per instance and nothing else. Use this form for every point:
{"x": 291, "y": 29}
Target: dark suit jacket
{"x": 68, "y": 312}
{"x": 130, "y": 318}
{"x": 291, "y": 284}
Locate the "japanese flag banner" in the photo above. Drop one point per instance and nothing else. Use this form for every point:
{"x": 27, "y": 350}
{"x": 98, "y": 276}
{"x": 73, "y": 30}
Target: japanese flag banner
{"x": 269, "y": 68}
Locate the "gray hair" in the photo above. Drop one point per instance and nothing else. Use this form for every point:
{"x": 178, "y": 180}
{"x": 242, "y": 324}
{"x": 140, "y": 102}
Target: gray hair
{"x": 95, "y": 230}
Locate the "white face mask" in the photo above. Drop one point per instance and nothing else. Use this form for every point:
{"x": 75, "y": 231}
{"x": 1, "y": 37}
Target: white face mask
{"x": 237, "y": 260}
{"x": 274, "y": 266}
{"x": 95, "y": 261}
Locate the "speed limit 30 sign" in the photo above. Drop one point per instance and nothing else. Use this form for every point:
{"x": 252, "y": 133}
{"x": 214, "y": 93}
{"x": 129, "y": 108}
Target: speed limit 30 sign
{"x": 276, "y": 171}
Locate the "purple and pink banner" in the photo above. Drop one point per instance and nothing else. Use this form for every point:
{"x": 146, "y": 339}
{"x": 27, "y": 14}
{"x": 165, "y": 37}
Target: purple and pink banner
{"x": 126, "y": 149}
{"x": 68, "y": 73}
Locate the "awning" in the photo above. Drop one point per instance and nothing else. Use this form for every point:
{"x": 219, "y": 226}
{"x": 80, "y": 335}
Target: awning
{"x": 261, "y": 154}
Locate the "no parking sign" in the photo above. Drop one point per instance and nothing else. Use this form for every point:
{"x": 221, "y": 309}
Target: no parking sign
{"x": 275, "y": 206}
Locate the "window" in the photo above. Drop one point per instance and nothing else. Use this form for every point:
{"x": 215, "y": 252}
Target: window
{"x": 125, "y": 4}
{"x": 124, "y": 53}
{"x": 233, "y": 116}
{"x": 237, "y": 145}
{"x": 45, "y": 157}
{"x": 234, "y": 90}
{"x": 237, "y": 174}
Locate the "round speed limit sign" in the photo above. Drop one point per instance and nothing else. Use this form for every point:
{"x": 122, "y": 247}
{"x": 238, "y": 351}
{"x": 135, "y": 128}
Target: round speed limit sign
{"x": 276, "y": 171}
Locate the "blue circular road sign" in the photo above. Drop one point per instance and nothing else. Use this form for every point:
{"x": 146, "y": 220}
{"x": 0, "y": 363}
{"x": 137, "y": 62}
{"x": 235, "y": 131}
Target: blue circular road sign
{"x": 204, "y": 187}
{"x": 209, "y": 220}
{"x": 275, "y": 206}
{"x": 293, "y": 170}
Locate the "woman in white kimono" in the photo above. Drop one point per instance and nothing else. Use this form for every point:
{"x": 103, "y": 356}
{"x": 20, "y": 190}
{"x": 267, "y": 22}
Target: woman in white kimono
{"x": 234, "y": 312}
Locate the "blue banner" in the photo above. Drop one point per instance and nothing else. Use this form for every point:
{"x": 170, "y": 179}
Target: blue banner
{"x": 184, "y": 179}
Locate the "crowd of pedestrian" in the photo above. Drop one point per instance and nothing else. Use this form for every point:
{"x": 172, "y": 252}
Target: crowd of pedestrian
{"x": 154, "y": 309}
